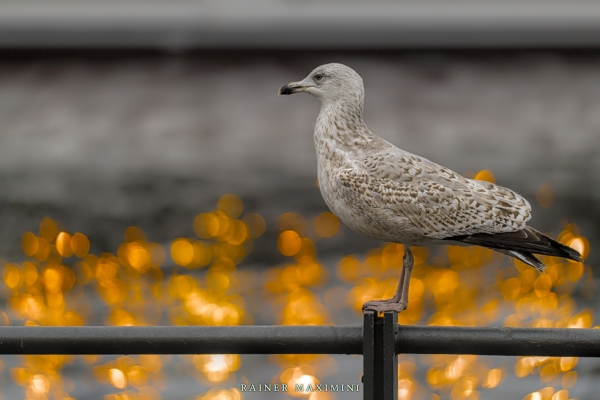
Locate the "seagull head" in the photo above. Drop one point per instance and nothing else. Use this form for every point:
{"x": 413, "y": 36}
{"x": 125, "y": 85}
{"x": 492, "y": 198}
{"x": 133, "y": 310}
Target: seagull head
{"x": 329, "y": 82}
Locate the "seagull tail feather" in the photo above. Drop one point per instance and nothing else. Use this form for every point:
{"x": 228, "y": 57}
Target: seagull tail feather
{"x": 527, "y": 258}
{"x": 521, "y": 245}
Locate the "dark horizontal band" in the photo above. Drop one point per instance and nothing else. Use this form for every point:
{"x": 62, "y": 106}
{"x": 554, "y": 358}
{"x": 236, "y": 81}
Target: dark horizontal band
{"x": 276, "y": 24}
{"x": 294, "y": 340}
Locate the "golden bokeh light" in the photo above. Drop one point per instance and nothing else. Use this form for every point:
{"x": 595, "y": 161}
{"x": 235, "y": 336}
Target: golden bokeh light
{"x": 206, "y": 225}
{"x": 581, "y": 245}
{"x": 327, "y": 224}
{"x": 493, "y": 378}
{"x": 63, "y": 244}
{"x": 561, "y": 395}
{"x": 29, "y": 243}
{"x": 80, "y": 244}
{"x": 569, "y": 379}
{"x": 48, "y": 229}
{"x": 117, "y": 378}
{"x": 40, "y": 383}
{"x": 240, "y": 233}
{"x": 289, "y": 243}
{"x": 231, "y": 205}
{"x": 217, "y": 367}
{"x": 405, "y": 389}
{"x": 542, "y": 285}
{"x": 534, "y": 396}
{"x": 11, "y": 276}
{"x": 485, "y": 175}
{"x": 349, "y": 268}
{"x": 137, "y": 256}
{"x": 582, "y": 319}
{"x": 182, "y": 252}
{"x": 568, "y": 363}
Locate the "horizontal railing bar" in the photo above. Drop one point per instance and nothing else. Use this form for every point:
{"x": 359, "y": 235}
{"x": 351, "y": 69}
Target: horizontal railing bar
{"x": 181, "y": 340}
{"x": 294, "y": 340}
{"x": 499, "y": 341}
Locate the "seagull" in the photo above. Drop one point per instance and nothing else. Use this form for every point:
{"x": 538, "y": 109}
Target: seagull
{"x": 389, "y": 194}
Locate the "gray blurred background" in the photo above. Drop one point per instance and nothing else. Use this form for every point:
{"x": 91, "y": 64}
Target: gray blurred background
{"x": 119, "y": 114}
{"x": 103, "y": 143}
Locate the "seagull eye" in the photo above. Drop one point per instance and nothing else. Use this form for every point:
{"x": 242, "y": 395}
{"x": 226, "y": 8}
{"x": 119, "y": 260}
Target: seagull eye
{"x": 318, "y": 77}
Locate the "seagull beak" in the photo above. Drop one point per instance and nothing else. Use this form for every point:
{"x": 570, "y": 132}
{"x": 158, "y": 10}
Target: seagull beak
{"x": 292, "y": 88}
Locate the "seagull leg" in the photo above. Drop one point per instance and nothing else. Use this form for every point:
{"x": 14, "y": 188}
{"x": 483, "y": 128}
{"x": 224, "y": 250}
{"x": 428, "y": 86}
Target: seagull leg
{"x": 399, "y": 302}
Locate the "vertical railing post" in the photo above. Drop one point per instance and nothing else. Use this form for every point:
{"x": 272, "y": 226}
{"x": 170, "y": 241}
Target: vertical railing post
{"x": 380, "y": 361}
{"x": 390, "y": 357}
{"x": 371, "y": 375}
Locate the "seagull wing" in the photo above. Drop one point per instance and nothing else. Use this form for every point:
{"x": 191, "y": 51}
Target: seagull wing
{"x": 437, "y": 202}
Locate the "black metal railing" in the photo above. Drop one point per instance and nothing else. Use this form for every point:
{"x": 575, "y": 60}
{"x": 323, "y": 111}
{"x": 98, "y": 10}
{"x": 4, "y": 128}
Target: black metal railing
{"x": 379, "y": 340}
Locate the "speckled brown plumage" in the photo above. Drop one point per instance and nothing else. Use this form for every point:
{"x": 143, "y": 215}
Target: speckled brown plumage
{"x": 390, "y": 194}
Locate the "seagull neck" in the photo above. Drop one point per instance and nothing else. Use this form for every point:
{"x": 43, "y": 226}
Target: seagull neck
{"x": 342, "y": 123}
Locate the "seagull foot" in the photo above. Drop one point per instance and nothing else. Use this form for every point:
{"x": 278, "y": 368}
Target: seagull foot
{"x": 385, "y": 305}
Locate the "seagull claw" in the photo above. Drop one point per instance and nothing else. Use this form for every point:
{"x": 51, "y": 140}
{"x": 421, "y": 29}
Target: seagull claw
{"x": 385, "y": 305}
